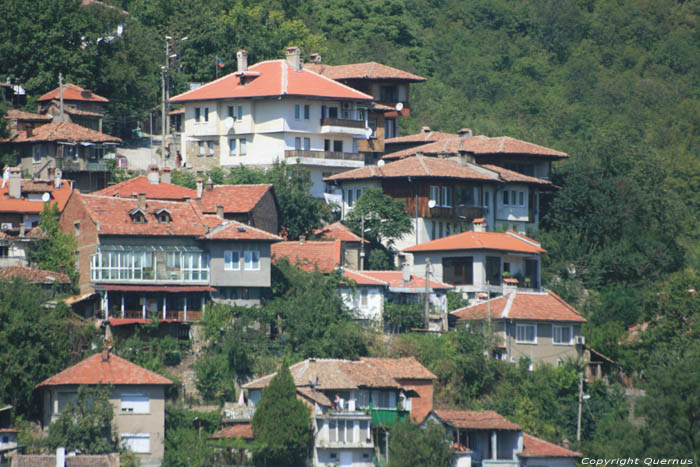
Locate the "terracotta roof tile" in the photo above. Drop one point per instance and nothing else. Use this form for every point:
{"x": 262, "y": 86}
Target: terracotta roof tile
{"x": 64, "y": 131}
{"x": 314, "y": 395}
{"x": 367, "y": 70}
{"x": 39, "y": 276}
{"x": 71, "y": 92}
{"x": 417, "y": 166}
{"x": 23, "y": 205}
{"x": 536, "y": 447}
{"x": 234, "y": 198}
{"x": 481, "y": 146}
{"x": 15, "y": 114}
{"x": 273, "y": 78}
{"x": 392, "y": 279}
{"x": 526, "y": 306}
{"x": 81, "y": 113}
{"x": 338, "y": 231}
{"x": 367, "y": 375}
{"x": 310, "y": 255}
{"x": 234, "y": 230}
{"x": 94, "y": 370}
{"x": 164, "y": 191}
{"x": 476, "y": 419}
{"x": 241, "y": 430}
{"x": 508, "y": 175}
{"x": 470, "y": 240}
{"x": 401, "y": 368}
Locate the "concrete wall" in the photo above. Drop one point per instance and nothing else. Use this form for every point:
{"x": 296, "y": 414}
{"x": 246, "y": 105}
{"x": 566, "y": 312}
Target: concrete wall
{"x": 544, "y": 351}
{"x": 265, "y": 215}
{"x": 373, "y": 310}
{"x": 241, "y": 277}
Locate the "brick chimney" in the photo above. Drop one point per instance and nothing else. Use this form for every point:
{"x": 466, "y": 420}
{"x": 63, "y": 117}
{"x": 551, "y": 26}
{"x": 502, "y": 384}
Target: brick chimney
{"x": 479, "y": 224}
{"x": 142, "y": 201}
{"x": 293, "y": 55}
{"x": 200, "y": 187}
{"x": 153, "y": 176}
{"x": 242, "y": 58}
{"x": 165, "y": 175}
{"x": 465, "y": 133}
{"x": 219, "y": 211}
{"x": 14, "y": 189}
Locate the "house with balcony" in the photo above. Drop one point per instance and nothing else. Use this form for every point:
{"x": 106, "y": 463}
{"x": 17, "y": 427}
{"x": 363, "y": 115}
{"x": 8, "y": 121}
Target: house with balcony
{"x": 351, "y": 243}
{"x": 352, "y": 404}
{"x": 275, "y": 111}
{"x": 444, "y": 196}
{"x": 478, "y": 262}
{"x": 390, "y": 88}
{"x": 76, "y": 150}
{"x": 137, "y": 395}
{"x": 165, "y": 257}
{"x": 80, "y": 106}
{"x": 538, "y": 325}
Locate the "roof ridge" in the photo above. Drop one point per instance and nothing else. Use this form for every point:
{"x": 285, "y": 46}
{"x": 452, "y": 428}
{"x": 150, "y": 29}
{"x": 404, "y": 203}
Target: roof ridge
{"x": 509, "y": 305}
{"x": 523, "y": 238}
{"x": 422, "y": 163}
{"x": 362, "y": 274}
{"x": 371, "y": 69}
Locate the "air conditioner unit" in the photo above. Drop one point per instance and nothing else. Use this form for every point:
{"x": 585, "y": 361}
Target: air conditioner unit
{"x": 6, "y": 226}
{"x": 579, "y": 340}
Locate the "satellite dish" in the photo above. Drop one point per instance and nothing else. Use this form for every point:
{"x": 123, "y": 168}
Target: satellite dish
{"x": 368, "y": 133}
{"x": 228, "y": 123}
{"x": 381, "y": 163}
{"x": 431, "y": 203}
{"x": 46, "y": 197}
{"x": 399, "y": 106}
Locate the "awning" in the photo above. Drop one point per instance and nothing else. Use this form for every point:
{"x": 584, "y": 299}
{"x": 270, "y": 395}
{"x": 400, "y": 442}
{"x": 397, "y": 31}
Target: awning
{"x": 78, "y": 298}
{"x": 157, "y": 288}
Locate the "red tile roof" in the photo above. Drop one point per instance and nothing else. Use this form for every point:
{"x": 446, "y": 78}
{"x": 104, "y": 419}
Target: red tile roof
{"x": 241, "y": 430}
{"x": 23, "y": 205}
{"x": 526, "y": 306}
{"x": 476, "y": 419}
{"x": 71, "y": 92}
{"x": 513, "y": 176}
{"x": 536, "y": 447}
{"x": 37, "y": 276}
{"x": 338, "y": 231}
{"x": 272, "y": 79}
{"x": 81, "y": 113}
{"x": 367, "y": 70}
{"x": 392, "y": 279}
{"x": 422, "y": 137}
{"x": 310, "y": 255}
{"x": 164, "y": 191}
{"x": 15, "y": 114}
{"x": 479, "y": 145}
{"x": 401, "y": 368}
{"x": 470, "y": 240}
{"x": 115, "y": 370}
{"x": 235, "y": 199}
{"x": 418, "y": 166}
{"x": 234, "y": 230}
{"x": 64, "y": 131}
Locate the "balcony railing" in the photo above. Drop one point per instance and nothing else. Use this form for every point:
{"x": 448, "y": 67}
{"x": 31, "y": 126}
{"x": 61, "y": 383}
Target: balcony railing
{"x": 81, "y": 165}
{"x": 174, "y": 315}
{"x": 329, "y": 155}
{"x": 469, "y": 212}
{"x": 388, "y": 416}
{"x": 330, "y": 121}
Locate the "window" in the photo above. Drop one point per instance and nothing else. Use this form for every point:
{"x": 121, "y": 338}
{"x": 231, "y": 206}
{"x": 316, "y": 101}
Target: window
{"x": 297, "y": 112}
{"x": 239, "y": 112}
{"x": 324, "y": 111}
{"x": 307, "y": 144}
{"x": 326, "y": 145}
{"x": 201, "y": 148}
{"x": 138, "y": 217}
{"x": 372, "y": 123}
{"x": 136, "y": 442}
{"x": 341, "y": 431}
{"x": 210, "y": 145}
{"x": 163, "y": 217}
{"x": 197, "y": 114}
{"x": 230, "y": 111}
{"x": 195, "y": 266}
{"x": 390, "y": 128}
{"x": 465, "y": 196}
{"x": 358, "y": 193}
{"x": 521, "y": 198}
{"x": 435, "y": 194}
{"x": 440, "y": 228}
{"x": 446, "y": 196}
{"x": 307, "y": 112}
{"x": 364, "y": 297}
{"x": 134, "y": 403}
{"x": 297, "y": 143}
{"x": 362, "y": 399}
{"x": 332, "y": 112}
{"x": 383, "y": 400}
{"x": 506, "y": 267}
{"x": 458, "y": 271}
{"x": 252, "y": 260}
{"x": 493, "y": 270}
{"x": 232, "y": 260}
{"x": 4, "y": 251}
{"x": 232, "y": 146}
{"x": 242, "y": 144}
{"x": 351, "y": 201}
{"x": 206, "y": 114}
{"x": 562, "y": 335}
{"x": 487, "y": 200}
{"x": 388, "y": 94}
{"x": 37, "y": 152}
{"x": 76, "y": 225}
{"x": 526, "y": 333}
{"x": 337, "y": 146}
{"x": 505, "y": 198}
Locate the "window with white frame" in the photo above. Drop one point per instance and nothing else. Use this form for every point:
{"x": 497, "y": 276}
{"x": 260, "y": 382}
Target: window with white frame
{"x": 197, "y": 114}
{"x": 297, "y": 143}
{"x": 210, "y": 145}
{"x": 202, "y": 149}
{"x": 435, "y": 194}
{"x": 252, "y": 260}
{"x": 232, "y": 260}
{"x": 350, "y": 199}
{"x": 341, "y": 431}
{"x": 307, "y": 112}
{"x": 136, "y": 442}
{"x": 526, "y": 333}
{"x": 446, "y": 196}
{"x": 297, "y": 111}
{"x": 562, "y": 335}
{"x": 384, "y": 399}
{"x": 134, "y": 402}
{"x": 230, "y": 111}
{"x": 232, "y": 146}
{"x": 206, "y": 114}
{"x": 362, "y": 399}
{"x": 242, "y": 144}
{"x": 521, "y": 198}
{"x": 239, "y": 112}
{"x": 307, "y": 144}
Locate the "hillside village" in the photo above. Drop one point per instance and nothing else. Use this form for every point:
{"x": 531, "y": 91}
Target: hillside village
{"x": 293, "y": 266}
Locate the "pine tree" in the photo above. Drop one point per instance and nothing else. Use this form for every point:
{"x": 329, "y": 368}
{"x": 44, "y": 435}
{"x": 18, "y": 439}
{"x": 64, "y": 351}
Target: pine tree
{"x": 281, "y": 424}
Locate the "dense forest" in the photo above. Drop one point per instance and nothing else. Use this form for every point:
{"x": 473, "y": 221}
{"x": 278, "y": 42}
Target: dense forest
{"x": 614, "y": 84}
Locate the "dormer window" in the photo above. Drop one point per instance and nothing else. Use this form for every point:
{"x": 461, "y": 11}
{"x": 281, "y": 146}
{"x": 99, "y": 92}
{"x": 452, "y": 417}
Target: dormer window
{"x": 137, "y": 216}
{"x": 164, "y": 216}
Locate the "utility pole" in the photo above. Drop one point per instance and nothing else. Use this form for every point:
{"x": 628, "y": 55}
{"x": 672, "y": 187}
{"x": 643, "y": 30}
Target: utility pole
{"x": 362, "y": 244}
{"x": 427, "y": 295}
{"x": 60, "y": 93}
{"x": 580, "y": 404}
{"x": 163, "y": 114}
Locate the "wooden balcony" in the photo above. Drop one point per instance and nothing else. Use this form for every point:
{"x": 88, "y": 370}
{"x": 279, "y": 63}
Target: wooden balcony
{"x": 328, "y": 155}
{"x": 328, "y": 121}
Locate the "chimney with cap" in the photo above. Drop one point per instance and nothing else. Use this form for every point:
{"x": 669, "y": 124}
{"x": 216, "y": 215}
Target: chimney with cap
{"x": 302, "y": 239}
{"x": 142, "y": 201}
{"x": 405, "y": 273}
{"x": 242, "y": 58}
{"x": 153, "y": 176}
{"x": 465, "y": 133}
{"x": 479, "y": 224}
{"x": 14, "y": 189}
{"x": 425, "y": 129}
{"x": 315, "y": 58}
{"x": 200, "y": 186}
{"x": 165, "y": 175}
{"x": 293, "y": 55}
{"x": 219, "y": 211}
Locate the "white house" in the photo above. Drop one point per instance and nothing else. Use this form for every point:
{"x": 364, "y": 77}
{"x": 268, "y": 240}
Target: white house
{"x": 275, "y": 111}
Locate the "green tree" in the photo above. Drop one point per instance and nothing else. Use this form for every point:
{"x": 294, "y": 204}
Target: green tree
{"x": 281, "y": 424}
{"x": 85, "y": 424}
{"x": 56, "y": 250}
{"x": 384, "y": 217}
{"x": 411, "y": 445}
{"x": 186, "y": 437}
